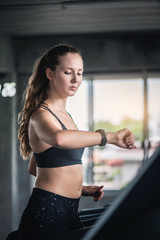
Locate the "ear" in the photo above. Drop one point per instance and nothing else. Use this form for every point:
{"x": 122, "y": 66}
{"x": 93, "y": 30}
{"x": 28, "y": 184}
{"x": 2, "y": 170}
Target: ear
{"x": 49, "y": 74}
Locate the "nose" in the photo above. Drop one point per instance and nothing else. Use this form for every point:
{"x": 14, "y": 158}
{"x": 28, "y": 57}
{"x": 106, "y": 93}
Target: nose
{"x": 74, "y": 78}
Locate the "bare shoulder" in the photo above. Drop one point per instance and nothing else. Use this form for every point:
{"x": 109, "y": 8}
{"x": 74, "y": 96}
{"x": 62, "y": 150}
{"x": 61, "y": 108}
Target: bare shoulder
{"x": 41, "y": 117}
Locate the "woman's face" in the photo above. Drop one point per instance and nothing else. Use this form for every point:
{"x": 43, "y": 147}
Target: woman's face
{"x": 68, "y": 75}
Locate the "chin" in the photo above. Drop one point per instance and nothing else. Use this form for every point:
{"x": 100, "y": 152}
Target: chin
{"x": 71, "y": 94}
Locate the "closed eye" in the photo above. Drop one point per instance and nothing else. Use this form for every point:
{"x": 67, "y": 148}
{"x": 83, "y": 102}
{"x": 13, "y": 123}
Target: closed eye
{"x": 67, "y": 72}
{"x": 79, "y": 74}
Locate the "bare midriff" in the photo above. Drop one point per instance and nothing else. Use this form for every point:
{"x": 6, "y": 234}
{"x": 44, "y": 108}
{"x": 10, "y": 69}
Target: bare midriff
{"x": 65, "y": 181}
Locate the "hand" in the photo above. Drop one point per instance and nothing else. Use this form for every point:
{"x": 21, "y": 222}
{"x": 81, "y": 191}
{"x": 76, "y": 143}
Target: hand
{"x": 125, "y": 139}
{"x": 93, "y": 191}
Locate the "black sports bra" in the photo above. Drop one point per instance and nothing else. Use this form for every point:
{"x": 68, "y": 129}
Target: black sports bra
{"x": 57, "y": 157}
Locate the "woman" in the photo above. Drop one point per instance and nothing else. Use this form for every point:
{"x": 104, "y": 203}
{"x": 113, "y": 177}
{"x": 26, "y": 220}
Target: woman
{"x": 49, "y": 135}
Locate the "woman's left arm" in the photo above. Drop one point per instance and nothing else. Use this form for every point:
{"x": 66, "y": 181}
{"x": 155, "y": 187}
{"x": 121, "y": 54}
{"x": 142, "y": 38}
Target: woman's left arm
{"x": 32, "y": 166}
{"x": 94, "y": 191}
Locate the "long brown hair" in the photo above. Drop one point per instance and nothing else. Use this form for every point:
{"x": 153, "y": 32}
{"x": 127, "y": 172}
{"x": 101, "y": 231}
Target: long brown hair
{"x": 37, "y": 91}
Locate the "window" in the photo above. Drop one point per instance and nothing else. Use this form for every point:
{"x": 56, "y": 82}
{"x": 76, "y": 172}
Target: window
{"x": 113, "y": 104}
{"x": 154, "y": 113}
{"x": 117, "y": 104}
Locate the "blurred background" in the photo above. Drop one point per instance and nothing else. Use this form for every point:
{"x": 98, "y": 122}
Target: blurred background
{"x": 120, "y": 44}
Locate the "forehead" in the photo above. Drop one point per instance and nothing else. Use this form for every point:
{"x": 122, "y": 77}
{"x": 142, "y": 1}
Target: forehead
{"x": 71, "y": 60}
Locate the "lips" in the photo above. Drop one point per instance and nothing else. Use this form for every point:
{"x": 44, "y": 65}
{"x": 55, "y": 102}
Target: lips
{"x": 73, "y": 88}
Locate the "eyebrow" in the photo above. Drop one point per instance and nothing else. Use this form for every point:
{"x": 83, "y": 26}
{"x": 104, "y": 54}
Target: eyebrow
{"x": 81, "y": 69}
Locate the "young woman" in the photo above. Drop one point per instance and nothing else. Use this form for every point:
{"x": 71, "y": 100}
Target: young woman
{"x": 49, "y": 135}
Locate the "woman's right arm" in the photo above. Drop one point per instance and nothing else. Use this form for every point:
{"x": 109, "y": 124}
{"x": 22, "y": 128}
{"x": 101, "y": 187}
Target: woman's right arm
{"x": 50, "y": 132}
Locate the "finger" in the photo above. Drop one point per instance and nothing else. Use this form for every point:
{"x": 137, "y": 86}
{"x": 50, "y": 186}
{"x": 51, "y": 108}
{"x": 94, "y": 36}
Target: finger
{"x": 97, "y": 188}
{"x": 97, "y": 198}
{"x": 132, "y": 146}
{"x": 101, "y": 195}
{"x": 130, "y": 141}
{"x": 100, "y": 187}
{"x": 130, "y": 138}
{"x": 98, "y": 194}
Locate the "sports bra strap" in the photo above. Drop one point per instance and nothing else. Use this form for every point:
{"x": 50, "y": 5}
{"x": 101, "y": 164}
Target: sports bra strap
{"x": 49, "y": 110}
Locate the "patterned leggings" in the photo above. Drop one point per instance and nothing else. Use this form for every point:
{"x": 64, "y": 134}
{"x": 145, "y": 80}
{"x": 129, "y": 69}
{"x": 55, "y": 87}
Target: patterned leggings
{"x": 48, "y": 213}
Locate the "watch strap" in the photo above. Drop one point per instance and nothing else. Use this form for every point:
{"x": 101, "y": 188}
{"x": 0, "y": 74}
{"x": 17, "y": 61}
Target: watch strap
{"x": 104, "y": 138}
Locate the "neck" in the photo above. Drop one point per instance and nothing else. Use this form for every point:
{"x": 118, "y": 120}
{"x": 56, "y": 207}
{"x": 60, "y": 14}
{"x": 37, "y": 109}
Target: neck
{"x": 57, "y": 103}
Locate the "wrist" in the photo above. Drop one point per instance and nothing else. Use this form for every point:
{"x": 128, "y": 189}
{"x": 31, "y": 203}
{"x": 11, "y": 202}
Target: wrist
{"x": 83, "y": 190}
{"x": 111, "y": 137}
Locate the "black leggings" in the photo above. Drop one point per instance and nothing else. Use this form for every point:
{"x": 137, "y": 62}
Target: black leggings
{"x": 48, "y": 213}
